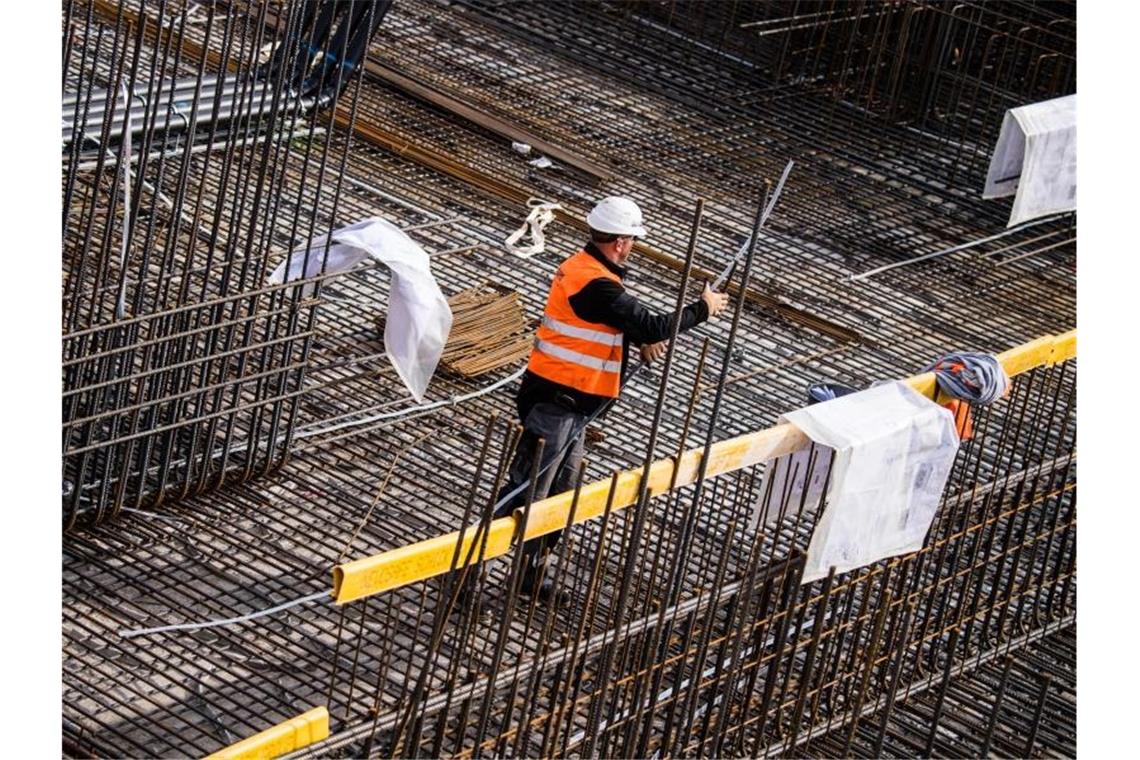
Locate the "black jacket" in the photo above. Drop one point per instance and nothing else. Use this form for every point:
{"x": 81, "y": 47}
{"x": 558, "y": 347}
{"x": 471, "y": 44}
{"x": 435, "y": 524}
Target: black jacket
{"x": 608, "y": 303}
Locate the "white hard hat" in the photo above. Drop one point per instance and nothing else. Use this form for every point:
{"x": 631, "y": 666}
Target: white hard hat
{"x": 617, "y": 216}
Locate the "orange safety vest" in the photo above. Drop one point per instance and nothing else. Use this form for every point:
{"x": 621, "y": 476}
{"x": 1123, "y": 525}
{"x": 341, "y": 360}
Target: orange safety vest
{"x": 963, "y": 419}
{"x": 569, "y": 350}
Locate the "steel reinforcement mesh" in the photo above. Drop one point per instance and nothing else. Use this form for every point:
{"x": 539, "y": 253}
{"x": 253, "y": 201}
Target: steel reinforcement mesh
{"x": 689, "y": 631}
{"x": 323, "y": 457}
{"x": 188, "y": 167}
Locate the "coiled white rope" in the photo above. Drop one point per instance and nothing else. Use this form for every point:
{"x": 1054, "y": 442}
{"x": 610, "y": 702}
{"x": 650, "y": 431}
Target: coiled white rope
{"x": 541, "y": 214}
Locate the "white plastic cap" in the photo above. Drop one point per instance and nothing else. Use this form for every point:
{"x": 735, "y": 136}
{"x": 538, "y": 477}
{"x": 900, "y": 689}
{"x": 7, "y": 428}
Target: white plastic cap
{"x": 617, "y": 216}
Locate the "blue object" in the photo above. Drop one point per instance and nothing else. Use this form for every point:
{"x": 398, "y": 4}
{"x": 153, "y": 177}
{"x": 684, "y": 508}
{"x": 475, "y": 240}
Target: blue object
{"x": 977, "y": 378}
{"x": 819, "y": 392}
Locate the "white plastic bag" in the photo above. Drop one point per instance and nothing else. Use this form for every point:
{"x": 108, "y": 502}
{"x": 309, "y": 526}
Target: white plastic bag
{"x": 419, "y": 319}
{"x": 341, "y": 258}
{"x": 1036, "y": 158}
{"x": 893, "y": 450}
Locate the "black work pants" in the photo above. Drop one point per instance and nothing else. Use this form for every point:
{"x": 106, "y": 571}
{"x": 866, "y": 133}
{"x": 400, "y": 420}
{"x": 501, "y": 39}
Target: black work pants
{"x": 563, "y": 431}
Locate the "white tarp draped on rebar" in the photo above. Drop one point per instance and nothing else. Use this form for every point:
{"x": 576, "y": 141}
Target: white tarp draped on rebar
{"x": 419, "y": 318}
{"x": 785, "y": 481}
{"x": 1036, "y": 157}
{"x": 892, "y": 453}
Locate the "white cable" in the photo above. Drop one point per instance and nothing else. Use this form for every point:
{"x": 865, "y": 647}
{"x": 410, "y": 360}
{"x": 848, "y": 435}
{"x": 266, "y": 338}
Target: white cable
{"x": 962, "y": 247}
{"x": 313, "y": 597}
{"x": 227, "y": 621}
{"x": 720, "y": 281}
{"x": 408, "y": 411}
{"x": 413, "y": 409}
{"x": 121, "y": 302}
{"x": 306, "y": 599}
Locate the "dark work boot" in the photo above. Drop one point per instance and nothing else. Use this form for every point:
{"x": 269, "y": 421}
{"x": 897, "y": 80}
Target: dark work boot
{"x": 545, "y": 589}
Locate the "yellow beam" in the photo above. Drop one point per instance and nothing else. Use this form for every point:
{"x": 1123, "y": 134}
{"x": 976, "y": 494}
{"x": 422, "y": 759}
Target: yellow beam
{"x": 1025, "y": 357}
{"x": 1064, "y": 347}
{"x": 426, "y": 559}
{"x": 415, "y": 562}
{"x": 924, "y": 384}
{"x": 552, "y": 513}
{"x": 295, "y": 733}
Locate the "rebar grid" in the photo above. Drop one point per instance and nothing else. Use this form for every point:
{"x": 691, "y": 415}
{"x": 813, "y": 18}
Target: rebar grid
{"x": 1024, "y": 710}
{"x": 868, "y": 190}
{"x": 180, "y": 372}
{"x": 946, "y": 71}
{"x": 736, "y": 663}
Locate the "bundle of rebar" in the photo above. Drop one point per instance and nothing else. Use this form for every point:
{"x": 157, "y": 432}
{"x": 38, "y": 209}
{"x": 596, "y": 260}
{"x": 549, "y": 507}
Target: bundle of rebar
{"x": 488, "y": 331}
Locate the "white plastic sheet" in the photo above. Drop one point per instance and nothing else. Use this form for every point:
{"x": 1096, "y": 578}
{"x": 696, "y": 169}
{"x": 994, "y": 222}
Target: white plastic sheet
{"x": 419, "y": 319}
{"x": 786, "y": 478}
{"x": 1036, "y": 158}
{"x": 893, "y": 449}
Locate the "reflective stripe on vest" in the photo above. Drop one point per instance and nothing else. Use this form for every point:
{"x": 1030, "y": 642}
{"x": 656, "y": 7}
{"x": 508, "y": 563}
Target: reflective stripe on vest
{"x": 590, "y": 362}
{"x": 570, "y": 351}
{"x": 595, "y": 336}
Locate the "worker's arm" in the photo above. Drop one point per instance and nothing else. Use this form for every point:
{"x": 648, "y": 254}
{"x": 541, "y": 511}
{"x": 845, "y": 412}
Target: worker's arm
{"x": 606, "y": 302}
{"x": 714, "y": 302}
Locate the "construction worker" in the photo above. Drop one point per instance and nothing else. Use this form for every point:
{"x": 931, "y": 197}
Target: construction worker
{"x": 577, "y": 364}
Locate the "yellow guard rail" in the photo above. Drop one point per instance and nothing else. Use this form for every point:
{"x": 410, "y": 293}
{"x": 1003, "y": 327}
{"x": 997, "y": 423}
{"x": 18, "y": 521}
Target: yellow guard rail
{"x": 307, "y": 728}
{"x": 426, "y": 559}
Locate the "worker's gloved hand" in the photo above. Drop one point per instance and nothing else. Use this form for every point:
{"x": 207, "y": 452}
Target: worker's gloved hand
{"x": 715, "y": 301}
{"x": 653, "y": 351}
